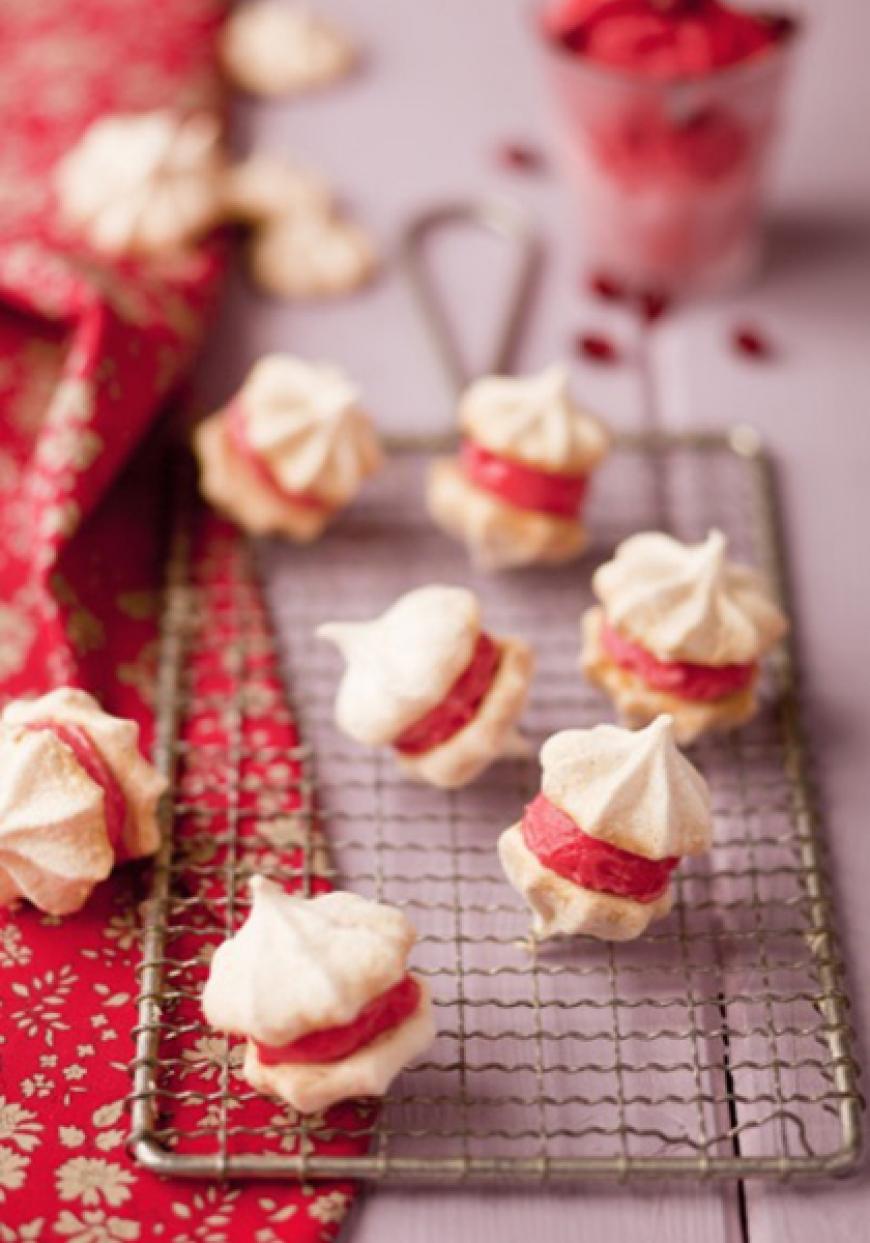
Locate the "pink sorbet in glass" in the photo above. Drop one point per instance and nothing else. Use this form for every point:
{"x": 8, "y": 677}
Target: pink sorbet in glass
{"x": 667, "y": 112}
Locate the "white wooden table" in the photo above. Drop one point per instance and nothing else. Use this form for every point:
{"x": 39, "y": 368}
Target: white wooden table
{"x": 445, "y": 84}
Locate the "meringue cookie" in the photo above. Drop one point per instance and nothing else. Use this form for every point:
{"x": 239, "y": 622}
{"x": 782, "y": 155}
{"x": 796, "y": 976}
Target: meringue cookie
{"x": 562, "y": 909}
{"x": 231, "y": 482}
{"x": 292, "y": 449}
{"x": 402, "y": 665}
{"x": 314, "y": 1086}
{"x": 145, "y": 183}
{"x": 681, "y": 604}
{"x": 53, "y": 842}
{"x": 298, "y": 965}
{"x": 638, "y": 704}
{"x": 532, "y": 425}
{"x": 490, "y": 735}
{"x": 303, "y": 965}
{"x": 534, "y": 419}
{"x": 265, "y": 187}
{"x": 634, "y": 792}
{"x": 55, "y": 832}
{"x": 688, "y": 602}
{"x": 269, "y": 48}
{"x": 498, "y": 536}
{"x": 311, "y": 254}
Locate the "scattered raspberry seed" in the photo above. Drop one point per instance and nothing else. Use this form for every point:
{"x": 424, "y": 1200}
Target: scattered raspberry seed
{"x": 781, "y": 27}
{"x": 748, "y": 341}
{"x": 597, "y": 348}
{"x": 605, "y": 286}
{"x": 521, "y": 157}
{"x": 654, "y": 304}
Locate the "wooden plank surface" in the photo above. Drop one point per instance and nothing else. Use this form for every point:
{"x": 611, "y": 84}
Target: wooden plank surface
{"x": 661, "y": 1215}
{"x": 441, "y": 91}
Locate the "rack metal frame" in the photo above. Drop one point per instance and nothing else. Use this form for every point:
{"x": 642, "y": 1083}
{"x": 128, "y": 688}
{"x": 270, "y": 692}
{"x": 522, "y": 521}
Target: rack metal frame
{"x": 718, "y": 1047}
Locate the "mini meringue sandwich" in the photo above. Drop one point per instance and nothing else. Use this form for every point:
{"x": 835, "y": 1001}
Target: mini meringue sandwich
{"x": 290, "y": 451}
{"x": 143, "y": 183}
{"x": 425, "y": 679}
{"x": 594, "y": 852}
{"x": 321, "y": 989}
{"x": 515, "y": 492}
{"x": 76, "y": 797}
{"x": 270, "y": 48}
{"x": 680, "y": 629}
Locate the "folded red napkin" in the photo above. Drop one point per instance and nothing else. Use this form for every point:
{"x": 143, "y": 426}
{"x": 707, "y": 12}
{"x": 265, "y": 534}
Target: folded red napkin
{"x": 90, "y": 352}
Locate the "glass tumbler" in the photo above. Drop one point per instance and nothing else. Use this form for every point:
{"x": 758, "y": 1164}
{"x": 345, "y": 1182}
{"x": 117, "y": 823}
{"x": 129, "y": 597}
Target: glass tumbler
{"x": 668, "y": 176}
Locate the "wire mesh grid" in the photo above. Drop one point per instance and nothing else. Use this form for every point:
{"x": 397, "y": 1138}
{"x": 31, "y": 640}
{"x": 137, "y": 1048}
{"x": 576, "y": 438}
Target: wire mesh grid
{"x": 716, "y": 1046}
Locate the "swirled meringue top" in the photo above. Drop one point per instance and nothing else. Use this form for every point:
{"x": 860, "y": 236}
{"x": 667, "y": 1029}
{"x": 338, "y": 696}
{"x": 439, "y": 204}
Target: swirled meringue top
{"x": 305, "y": 422}
{"x": 635, "y": 790}
{"x": 401, "y": 664}
{"x": 143, "y": 183}
{"x": 688, "y": 602}
{"x": 299, "y": 965}
{"x": 535, "y": 420}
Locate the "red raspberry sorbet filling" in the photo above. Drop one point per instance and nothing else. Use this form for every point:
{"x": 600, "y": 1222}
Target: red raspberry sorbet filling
{"x": 459, "y": 706}
{"x": 679, "y": 677}
{"x": 525, "y": 487}
{"x": 88, "y": 756}
{"x": 243, "y": 446}
{"x": 562, "y": 846}
{"x": 333, "y": 1043}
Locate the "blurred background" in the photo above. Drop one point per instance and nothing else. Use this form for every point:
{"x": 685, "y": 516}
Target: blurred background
{"x": 455, "y": 101}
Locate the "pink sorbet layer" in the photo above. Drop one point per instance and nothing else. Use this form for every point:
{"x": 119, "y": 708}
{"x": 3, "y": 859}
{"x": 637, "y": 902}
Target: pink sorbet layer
{"x": 242, "y": 445}
{"x": 678, "y": 677}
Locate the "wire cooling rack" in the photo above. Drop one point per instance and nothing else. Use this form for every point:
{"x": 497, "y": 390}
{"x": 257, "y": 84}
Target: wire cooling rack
{"x": 717, "y": 1046}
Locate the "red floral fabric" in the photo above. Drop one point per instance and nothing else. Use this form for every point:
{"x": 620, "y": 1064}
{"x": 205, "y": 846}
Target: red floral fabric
{"x": 89, "y": 354}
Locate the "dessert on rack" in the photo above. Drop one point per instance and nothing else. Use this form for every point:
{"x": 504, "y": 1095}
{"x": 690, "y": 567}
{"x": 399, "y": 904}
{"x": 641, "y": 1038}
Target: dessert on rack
{"x": 143, "y": 183}
{"x": 514, "y": 493}
{"x": 76, "y": 797}
{"x": 289, "y": 451}
{"x": 320, "y": 988}
{"x": 594, "y": 851}
{"x": 269, "y": 48}
{"x": 680, "y": 629}
{"x": 426, "y": 679}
